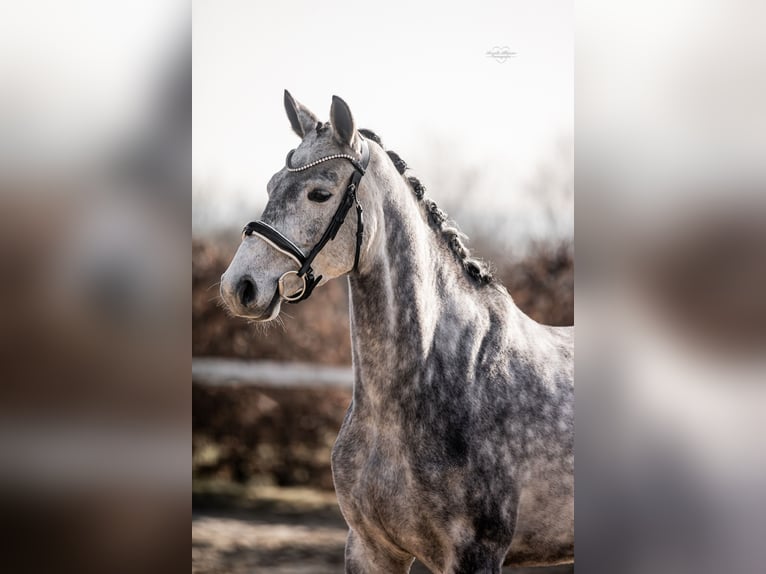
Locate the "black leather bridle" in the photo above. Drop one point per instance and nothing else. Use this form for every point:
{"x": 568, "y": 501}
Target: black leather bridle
{"x": 282, "y": 244}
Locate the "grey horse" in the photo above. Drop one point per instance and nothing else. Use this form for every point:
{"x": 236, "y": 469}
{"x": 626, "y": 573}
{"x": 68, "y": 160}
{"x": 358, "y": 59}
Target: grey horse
{"x": 458, "y": 446}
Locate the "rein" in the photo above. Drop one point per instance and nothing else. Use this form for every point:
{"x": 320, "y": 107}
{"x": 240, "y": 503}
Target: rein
{"x": 278, "y": 241}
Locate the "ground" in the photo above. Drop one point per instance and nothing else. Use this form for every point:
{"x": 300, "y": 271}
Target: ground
{"x": 272, "y": 530}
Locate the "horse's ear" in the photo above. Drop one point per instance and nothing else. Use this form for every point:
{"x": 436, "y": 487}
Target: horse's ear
{"x": 301, "y": 119}
{"x": 342, "y": 122}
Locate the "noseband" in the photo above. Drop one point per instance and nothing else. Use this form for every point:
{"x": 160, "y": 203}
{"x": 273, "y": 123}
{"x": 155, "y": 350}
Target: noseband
{"x": 282, "y": 244}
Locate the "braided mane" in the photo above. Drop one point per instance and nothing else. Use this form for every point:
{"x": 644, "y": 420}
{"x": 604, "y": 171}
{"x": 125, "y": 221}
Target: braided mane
{"x": 476, "y": 269}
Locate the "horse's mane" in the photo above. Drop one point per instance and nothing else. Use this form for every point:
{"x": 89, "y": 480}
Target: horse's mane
{"x": 476, "y": 269}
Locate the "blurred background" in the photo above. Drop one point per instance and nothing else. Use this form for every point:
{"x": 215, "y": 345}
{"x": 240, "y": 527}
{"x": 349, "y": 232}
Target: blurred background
{"x": 491, "y": 137}
{"x": 95, "y": 120}
{"x": 671, "y": 286}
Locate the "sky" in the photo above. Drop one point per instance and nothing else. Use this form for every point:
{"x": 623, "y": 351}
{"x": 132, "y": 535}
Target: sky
{"x": 416, "y": 73}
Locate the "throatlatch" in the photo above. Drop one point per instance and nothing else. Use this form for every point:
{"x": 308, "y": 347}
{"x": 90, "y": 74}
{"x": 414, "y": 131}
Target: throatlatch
{"x": 282, "y": 244}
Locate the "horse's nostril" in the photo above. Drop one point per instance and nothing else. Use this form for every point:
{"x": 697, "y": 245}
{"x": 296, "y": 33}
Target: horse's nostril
{"x": 246, "y": 291}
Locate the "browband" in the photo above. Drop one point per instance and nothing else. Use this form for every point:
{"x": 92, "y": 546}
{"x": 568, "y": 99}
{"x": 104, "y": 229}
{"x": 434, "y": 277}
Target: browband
{"x": 282, "y": 244}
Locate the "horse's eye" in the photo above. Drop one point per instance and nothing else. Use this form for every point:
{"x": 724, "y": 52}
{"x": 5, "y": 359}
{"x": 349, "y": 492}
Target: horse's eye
{"x": 319, "y": 195}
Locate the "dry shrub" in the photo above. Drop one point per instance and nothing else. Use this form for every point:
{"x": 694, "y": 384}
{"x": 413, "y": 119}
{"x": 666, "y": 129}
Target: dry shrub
{"x": 542, "y": 284}
{"x": 280, "y": 436}
{"x": 316, "y": 330}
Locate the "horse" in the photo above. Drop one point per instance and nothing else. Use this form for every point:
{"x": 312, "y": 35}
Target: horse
{"x": 458, "y": 446}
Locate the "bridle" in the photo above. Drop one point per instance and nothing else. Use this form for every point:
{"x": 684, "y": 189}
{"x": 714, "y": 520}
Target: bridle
{"x": 278, "y": 241}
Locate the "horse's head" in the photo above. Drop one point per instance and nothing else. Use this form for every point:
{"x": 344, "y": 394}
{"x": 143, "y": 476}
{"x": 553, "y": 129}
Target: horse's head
{"x": 304, "y": 199}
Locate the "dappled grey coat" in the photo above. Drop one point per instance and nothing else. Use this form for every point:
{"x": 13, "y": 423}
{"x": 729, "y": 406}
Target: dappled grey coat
{"x": 457, "y": 448}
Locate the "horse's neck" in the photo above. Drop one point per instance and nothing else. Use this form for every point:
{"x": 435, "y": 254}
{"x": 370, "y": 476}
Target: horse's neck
{"x": 410, "y": 290}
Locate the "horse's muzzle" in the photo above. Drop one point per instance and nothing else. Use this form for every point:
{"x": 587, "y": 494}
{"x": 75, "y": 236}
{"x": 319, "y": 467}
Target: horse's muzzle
{"x": 243, "y": 297}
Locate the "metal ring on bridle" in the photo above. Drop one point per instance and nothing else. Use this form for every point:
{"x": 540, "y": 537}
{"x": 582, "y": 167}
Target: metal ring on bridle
{"x": 295, "y": 296}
